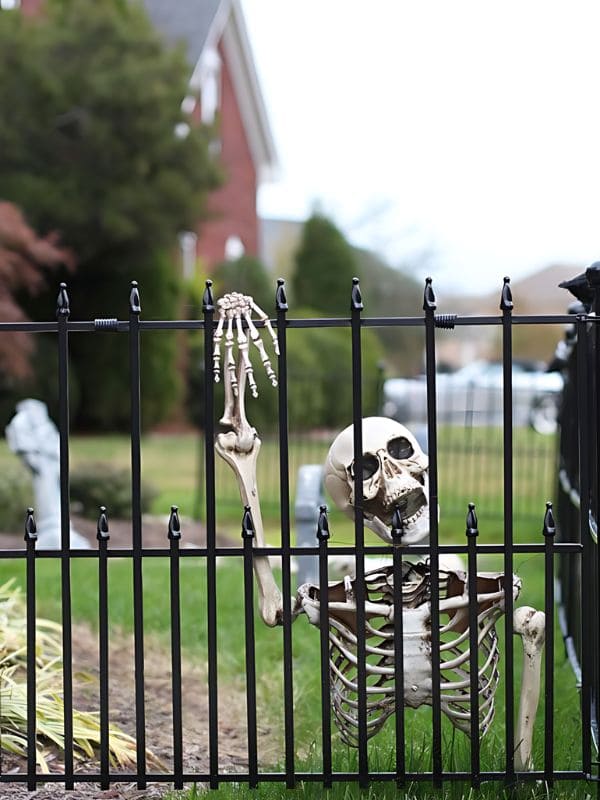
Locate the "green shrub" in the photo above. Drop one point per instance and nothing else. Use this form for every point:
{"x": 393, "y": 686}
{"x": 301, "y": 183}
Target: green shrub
{"x": 16, "y": 495}
{"x": 100, "y": 484}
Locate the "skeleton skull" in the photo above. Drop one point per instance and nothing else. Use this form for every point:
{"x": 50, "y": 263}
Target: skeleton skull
{"x": 394, "y": 475}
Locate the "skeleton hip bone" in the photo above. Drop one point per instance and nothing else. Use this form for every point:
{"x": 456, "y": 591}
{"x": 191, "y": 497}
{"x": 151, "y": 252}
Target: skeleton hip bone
{"x": 394, "y": 472}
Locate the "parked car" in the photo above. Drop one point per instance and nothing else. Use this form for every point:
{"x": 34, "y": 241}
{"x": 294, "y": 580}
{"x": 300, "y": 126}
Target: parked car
{"x": 473, "y": 396}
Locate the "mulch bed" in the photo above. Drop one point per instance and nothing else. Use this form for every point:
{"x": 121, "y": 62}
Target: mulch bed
{"x": 158, "y": 708}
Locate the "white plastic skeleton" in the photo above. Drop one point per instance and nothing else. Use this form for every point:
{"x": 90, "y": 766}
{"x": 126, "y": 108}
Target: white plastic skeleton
{"x": 394, "y": 477}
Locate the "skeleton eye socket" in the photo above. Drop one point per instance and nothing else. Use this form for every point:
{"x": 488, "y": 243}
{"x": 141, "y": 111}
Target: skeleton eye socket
{"x": 400, "y": 448}
{"x": 370, "y": 465}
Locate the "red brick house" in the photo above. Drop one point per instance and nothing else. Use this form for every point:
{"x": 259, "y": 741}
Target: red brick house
{"x": 223, "y": 88}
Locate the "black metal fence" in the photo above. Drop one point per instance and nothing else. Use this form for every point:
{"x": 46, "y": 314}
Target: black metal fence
{"x": 575, "y": 548}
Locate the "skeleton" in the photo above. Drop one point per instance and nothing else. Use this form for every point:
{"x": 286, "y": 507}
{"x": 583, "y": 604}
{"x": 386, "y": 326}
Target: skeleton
{"x": 394, "y": 479}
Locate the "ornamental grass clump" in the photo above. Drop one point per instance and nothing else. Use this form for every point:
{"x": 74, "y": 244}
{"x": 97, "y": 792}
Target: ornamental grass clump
{"x": 49, "y": 703}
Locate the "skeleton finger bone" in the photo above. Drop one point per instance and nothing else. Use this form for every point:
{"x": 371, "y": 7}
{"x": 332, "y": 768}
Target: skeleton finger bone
{"x": 267, "y": 322}
{"x": 255, "y": 336}
{"x": 217, "y": 346}
{"x": 530, "y": 625}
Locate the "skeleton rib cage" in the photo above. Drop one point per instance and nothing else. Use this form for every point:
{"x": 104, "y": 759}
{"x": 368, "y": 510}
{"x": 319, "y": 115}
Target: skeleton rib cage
{"x": 380, "y": 650}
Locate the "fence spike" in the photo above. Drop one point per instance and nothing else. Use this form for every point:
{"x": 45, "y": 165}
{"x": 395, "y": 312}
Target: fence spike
{"x": 174, "y": 524}
{"x": 247, "y": 524}
{"x": 472, "y": 524}
{"x": 549, "y": 524}
{"x": 356, "y": 303}
{"x": 397, "y": 524}
{"x": 63, "y": 308}
{"x": 30, "y": 526}
{"x": 506, "y": 300}
{"x": 134, "y": 299}
{"x": 208, "y": 302}
{"x": 428, "y": 296}
{"x": 281, "y": 303}
{"x": 323, "y": 524}
{"x": 102, "y": 526}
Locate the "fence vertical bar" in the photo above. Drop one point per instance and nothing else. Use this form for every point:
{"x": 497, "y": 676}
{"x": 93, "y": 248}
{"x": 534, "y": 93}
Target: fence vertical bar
{"x": 429, "y": 306}
{"x": 248, "y": 538}
{"x": 592, "y": 275}
{"x": 208, "y": 310}
{"x": 174, "y": 535}
{"x": 356, "y": 306}
{"x": 136, "y": 521}
{"x": 584, "y": 533}
{"x": 323, "y": 538}
{"x": 549, "y": 531}
{"x": 506, "y": 306}
{"x": 30, "y": 539}
{"x": 102, "y": 536}
{"x": 472, "y": 533}
{"x": 284, "y": 496}
{"x": 397, "y": 525}
{"x": 62, "y": 314}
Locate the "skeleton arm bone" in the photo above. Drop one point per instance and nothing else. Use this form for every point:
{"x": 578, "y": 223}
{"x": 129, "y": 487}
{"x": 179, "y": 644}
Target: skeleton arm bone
{"x": 530, "y": 625}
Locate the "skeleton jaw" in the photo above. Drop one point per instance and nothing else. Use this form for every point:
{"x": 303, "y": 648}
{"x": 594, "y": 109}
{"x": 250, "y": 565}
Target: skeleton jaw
{"x": 415, "y": 526}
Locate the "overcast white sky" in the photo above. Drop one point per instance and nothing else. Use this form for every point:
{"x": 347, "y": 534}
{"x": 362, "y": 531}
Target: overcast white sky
{"x": 468, "y": 129}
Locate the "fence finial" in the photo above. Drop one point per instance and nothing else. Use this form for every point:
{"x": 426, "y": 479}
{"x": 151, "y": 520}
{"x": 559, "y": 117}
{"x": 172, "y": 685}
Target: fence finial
{"x": 134, "y": 299}
{"x": 356, "y": 303}
{"x": 428, "y": 296}
{"x": 247, "y": 524}
{"x": 281, "y": 303}
{"x": 30, "y": 527}
{"x": 549, "y": 524}
{"x": 174, "y": 524}
{"x": 102, "y": 527}
{"x": 63, "y": 308}
{"x": 323, "y": 524}
{"x": 506, "y": 300}
{"x": 208, "y": 302}
{"x": 472, "y": 524}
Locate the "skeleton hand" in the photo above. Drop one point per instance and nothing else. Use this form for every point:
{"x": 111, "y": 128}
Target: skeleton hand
{"x": 233, "y": 308}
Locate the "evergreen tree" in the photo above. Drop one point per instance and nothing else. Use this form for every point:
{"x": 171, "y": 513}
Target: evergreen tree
{"x": 89, "y": 102}
{"x": 324, "y": 268}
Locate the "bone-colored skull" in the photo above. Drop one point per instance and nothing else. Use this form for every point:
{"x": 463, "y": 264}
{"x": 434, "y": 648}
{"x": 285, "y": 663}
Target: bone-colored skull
{"x": 394, "y": 475}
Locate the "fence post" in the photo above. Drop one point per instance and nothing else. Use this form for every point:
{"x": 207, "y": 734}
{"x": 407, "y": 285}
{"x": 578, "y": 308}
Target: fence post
{"x": 472, "y": 532}
{"x": 429, "y": 306}
{"x": 397, "y": 529}
{"x": 323, "y": 538}
{"x": 248, "y": 540}
{"x": 208, "y": 310}
{"x": 102, "y": 536}
{"x": 30, "y": 539}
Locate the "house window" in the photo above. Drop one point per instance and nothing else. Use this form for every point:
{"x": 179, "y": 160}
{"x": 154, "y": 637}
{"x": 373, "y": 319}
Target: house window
{"x": 210, "y": 79}
{"x": 234, "y": 248}
{"x": 187, "y": 244}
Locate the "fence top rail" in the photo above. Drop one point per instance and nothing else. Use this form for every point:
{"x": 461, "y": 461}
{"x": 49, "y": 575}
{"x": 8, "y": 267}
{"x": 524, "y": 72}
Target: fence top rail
{"x": 122, "y": 326}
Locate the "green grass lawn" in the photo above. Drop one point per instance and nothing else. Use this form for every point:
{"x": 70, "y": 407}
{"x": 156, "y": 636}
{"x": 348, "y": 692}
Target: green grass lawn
{"x": 172, "y": 463}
